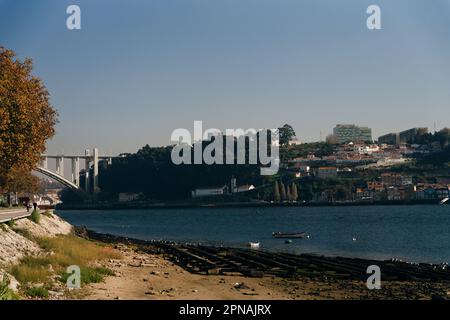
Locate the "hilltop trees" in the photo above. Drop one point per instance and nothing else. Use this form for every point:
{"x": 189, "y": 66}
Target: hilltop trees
{"x": 286, "y": 134}
{"x": 27, "y": 118}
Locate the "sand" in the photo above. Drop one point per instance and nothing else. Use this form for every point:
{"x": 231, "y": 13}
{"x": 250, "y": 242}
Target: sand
{"x": 149, "y": 276}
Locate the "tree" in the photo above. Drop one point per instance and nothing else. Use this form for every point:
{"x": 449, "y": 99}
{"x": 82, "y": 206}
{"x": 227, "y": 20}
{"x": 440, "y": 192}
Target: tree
{"x": 276, "y": 192}
{"x": 286, "y": 134}
{"x": 21, "y": 180}
{"x": 294, "y": 191}
{"x": 27, "y": 118}
{"x": 282, "y": 191}
{"x": 289, "y": 193}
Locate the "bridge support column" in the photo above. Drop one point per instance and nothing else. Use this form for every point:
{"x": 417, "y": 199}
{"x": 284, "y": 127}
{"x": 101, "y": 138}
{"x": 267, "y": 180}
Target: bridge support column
{"x": 87, "y": 161}
{"x": 96, "y": 189}
{"x": 76, "y": 171}
{"x": 44, "y": 163}
{"x": 60, "y": 166}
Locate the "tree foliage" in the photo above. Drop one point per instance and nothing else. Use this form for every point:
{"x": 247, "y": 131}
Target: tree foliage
{"x": 152, "y": 172}
{"x": 27, "y": 118}
{"x": 286, "y": 134}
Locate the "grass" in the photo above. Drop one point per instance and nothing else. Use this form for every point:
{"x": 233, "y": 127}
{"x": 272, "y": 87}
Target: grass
{"x": 37, "y": 292}
{"x": 35, "y": 216}
{"x": 11, "y": 223}
{"x": 63, "y": 251}
{"x": 5, "y": 292}
{"x": 48, "y": 214}
{"x": 24, "y": 233}
{"x": 90, "y": 275}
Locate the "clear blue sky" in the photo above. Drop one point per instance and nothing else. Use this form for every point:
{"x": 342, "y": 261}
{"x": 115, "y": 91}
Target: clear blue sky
{"x": 139, "y": 69}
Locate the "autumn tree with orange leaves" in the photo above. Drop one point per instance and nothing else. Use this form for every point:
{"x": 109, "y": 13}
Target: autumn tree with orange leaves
{"x": 27, "y": 119}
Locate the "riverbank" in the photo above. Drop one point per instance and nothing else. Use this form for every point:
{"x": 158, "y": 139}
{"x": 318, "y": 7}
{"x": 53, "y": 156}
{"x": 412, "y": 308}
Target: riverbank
{"x": 250, "y": 204}
{"x": 160, "y": 270}
{"x": 35, "y": 253}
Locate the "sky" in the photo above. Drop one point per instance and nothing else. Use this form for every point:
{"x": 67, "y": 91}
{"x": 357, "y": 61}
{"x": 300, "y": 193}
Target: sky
{"x": 137, "y": 70}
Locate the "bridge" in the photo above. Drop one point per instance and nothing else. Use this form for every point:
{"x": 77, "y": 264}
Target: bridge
{"x": 91, "y": 161}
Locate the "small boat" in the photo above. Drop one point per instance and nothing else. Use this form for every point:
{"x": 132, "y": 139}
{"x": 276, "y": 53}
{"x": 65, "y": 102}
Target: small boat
{"x": 444, "y": 201}
{"x": 290, "y": 235}
{"x": 253, "y": 245}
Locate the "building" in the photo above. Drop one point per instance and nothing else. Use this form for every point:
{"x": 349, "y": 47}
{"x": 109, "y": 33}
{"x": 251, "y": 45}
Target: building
{"x": 411, "y": 136}
{"x": 375, "y": 186}
{"x": 366, "y": 149}
{"x": 395, "y": 179}
{"x": 129, "y": 197}
{"x": 390, "y": 138}
{"x": 432, "y": 191}
{"x": 209, "y": 191}
{"x": 345, "y": 133}
{"x": 245, "y": 188}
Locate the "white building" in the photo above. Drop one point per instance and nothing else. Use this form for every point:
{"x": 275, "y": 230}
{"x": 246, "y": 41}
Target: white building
{"x": 209, "y": 191}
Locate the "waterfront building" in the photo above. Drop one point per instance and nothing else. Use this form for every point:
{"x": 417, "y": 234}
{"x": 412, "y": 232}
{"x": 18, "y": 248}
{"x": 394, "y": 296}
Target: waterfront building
{"x": 245, "y": 187}
{"x": 345, "y": 133}
{"x": 129, "y": 197}
{"x": 432, "y": 191}
{"x": 209, "y": 191}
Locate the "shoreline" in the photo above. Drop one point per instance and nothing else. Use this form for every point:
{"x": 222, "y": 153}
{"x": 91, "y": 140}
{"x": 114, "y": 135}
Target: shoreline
{"x": 169, "y": 247}
{"x": 212, "y": 205}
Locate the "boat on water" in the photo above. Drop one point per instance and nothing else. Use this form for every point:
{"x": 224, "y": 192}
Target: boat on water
{"x": 444, "y": 201}
{"x": 290, "y": 235}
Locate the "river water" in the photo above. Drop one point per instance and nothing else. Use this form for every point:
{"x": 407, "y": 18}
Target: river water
{"x": 419, "y": 233}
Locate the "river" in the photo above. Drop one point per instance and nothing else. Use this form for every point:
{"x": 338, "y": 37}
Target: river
{"x": 419, "y": 233}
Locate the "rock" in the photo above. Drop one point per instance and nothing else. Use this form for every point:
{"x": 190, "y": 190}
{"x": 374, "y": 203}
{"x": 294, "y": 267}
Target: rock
{"x": 195, "y": 290}
{"x": 240, "y": 285}
{"x": 135, "y": 265}
{"x": 13, "y": 283}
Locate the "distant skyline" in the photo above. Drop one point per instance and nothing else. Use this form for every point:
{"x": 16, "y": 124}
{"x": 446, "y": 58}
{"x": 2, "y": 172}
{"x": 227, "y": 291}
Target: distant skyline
{"x": 137, "y": 70}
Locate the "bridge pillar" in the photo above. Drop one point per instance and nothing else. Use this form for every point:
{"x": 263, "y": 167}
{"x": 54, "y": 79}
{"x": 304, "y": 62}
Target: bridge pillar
{"x": 60, "y": 165}
{"x": 44, "y": 162}
{"x": 95, "y": 177}
{"x": 76, "y": 171}
{"x": 87, "y": 161}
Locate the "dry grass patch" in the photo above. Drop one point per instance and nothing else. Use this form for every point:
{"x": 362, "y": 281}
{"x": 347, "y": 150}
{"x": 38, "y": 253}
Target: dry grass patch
{"x": 61, "y": 252}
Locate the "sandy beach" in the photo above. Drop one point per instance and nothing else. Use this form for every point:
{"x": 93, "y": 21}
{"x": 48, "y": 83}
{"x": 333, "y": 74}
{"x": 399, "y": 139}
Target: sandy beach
{"x": 148, "y": 276}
